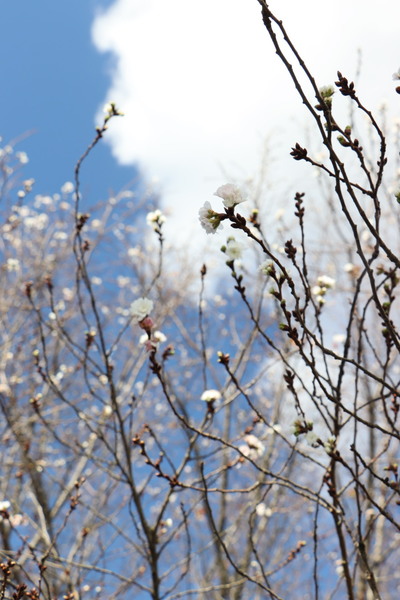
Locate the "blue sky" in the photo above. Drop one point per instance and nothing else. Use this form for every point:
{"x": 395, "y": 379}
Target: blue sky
{"x": 53, "y": 81}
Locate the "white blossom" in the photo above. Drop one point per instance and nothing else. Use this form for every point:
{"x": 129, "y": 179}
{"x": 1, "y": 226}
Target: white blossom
{"x": 230, "y": 194}
{"x": 12, "y": 264}
{"x": 209, "y": 219}
{"x": 141, "y": 308}
{"x": 325, "y": 281}
{"x": 67, "y": 187}
{"x": 157, "y": 337}
{"x": 263, "y": 510}
{"x": 311, "y": 438}
{"x": 266, "y": 267}
{"x": 234, "y": 249}
{"x": 22, "y": 157}
{"x": 254, "y": 449}
{"x": 210, "y": 395}
{"x": 4, "y": 505}
{"x": 155, "y": 219}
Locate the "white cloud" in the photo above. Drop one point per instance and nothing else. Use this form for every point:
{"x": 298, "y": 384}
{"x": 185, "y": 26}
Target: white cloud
{"x": 201, "y": 86}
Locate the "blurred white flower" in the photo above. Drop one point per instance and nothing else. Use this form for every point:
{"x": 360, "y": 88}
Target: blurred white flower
{"x": 28, "y": 184}
{"x": 22, "y": 157}
{"x": 141, "y": 308}
{"x": 67, "y": 188}
{"x": 209, "y": 219}
{"x": 107, "y": 410}
{"x": 210, "y": 396}
{"x": 325, "y": 281}
{"x": 12, "y": 264}
{"x": 155, "y": 219}
{"x": 4, "y": 505}
{"x": 263, "y": 510}
{"x": 157, "y": 337}
{"x": 230, "y": 194}
{"x": 254, "y": 449}
{"x": 266, "y": 267}
{"x": 324, "y": 284}
{"x": 234, "y": 249}
{"x": 311, "y": 438}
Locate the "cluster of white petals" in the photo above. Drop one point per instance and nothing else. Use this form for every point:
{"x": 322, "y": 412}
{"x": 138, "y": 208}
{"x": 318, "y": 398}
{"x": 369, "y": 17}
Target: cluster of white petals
{"x": 158, "y": 337}
{"x": 254, "y": 448}
{"x": 230, "y": 194}
{"x": 141, "y": 308}
{"x": 266, "y": 267}
{"x": 324, "y": 283}
{"x": 209, "y": 219}
{"x": 210, "y": 396}
{"x": 155, "y": 219}
{"x": 4, "y": 505}
{"x": 234, "y": 249}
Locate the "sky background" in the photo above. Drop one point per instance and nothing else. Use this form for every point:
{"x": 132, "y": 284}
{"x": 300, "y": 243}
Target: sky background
{"x": 200, "y": 86}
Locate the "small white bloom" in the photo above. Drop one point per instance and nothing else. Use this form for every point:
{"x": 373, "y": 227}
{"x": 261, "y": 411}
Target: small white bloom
{"x": 4, "y": 505}
{"x": 141, "y": 308}
{"x": 12, "y": 264}
{"x": 210, "y": 396}
{"x": 157, "y": 337}
{"x": 67, "y": 187}
{"x": 255, "y": 447}
{"x": 330, "y": 445}
{"x": 317, "y": 290}
{"x": 230, "y": 194}
{"x": 234, "y": 249}
{"x": 22, "y": 157}
{"x": 209, "y": 219}
{"x": 311, "y": 438}
{"x": 123, "y": 281}
{"x": 107, "y": 410}
{"x": 325, "y": 281}
{"x": 263, "y": 511}
{"x": 155, "y": 219}
{"x": 28, "y": 184}
{"x": 266, "y": 267}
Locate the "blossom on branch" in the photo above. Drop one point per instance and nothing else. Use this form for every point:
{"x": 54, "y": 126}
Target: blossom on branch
{"x": 141, "y": 308}
{"x": 234, "y": 249}
{"x": 324, "y": 284}
{"x": 253, "y": 448}
{"x": 155, "y": 219}
{"x": 209, "y": 219}
{"x": 210, "y": 396}
{"x": 157, "y": 338}
{"x": 230, "y": 194}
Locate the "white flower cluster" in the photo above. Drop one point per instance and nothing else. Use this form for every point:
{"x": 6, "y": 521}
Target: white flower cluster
{"x": 155, "y": 219}
{"x": 141, "y": 308}
{"x": 230, "y": 194}
{"x": 210, "y": 396}
{"x": 266, "y": 267}
{"x": 324, "y": 283}
{"x": 211, "y": 220}
{"x": 234, "y": 249}
{"x": 158, "y": 337}
{"x": 253, "y": 448}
